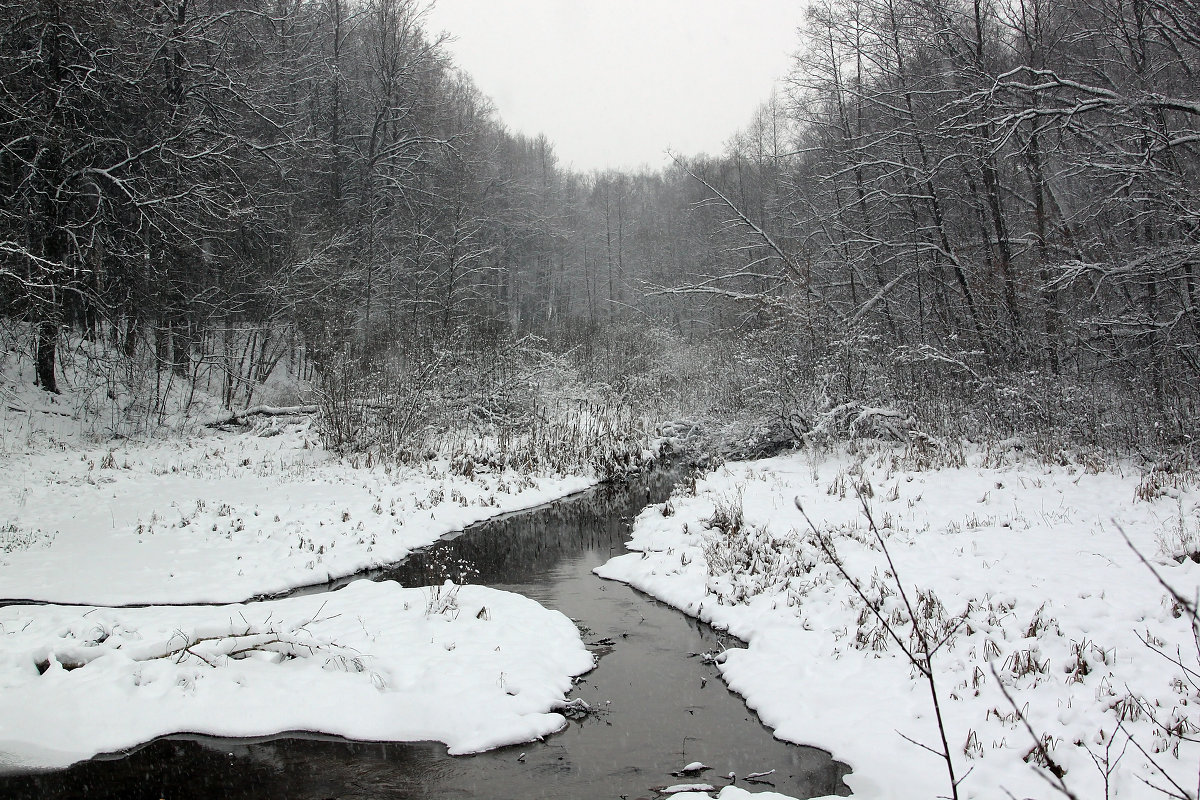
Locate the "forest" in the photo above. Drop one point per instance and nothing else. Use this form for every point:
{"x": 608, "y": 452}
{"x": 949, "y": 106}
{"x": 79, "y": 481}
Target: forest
{"x": 972, "y": 218}
{"x": 331, "y": 404}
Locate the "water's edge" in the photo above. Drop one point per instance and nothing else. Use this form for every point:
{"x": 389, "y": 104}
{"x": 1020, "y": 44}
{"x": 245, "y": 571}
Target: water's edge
{"x": 656, "y": 707}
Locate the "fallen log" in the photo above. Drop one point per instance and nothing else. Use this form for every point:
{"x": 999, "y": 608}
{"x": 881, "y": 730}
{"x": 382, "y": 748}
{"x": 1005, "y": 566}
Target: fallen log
{"x": 36, "y": 410}
{"x": 236, "y": 416}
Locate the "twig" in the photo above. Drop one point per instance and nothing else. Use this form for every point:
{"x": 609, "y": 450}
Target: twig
{"x": 923, "y": 661}
{"x": 1053, "y": 767}
{"x": 1183, "y": 794}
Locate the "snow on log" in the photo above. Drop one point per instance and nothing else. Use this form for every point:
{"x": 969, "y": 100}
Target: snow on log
{"x": 260, "y": 411}
{"x": 680, "y": 788}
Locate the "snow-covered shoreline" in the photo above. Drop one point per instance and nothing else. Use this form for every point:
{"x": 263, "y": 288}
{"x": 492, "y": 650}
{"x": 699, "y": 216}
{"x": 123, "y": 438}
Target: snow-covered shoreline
{"x": 221, "y": 518}
{"x": 1031, "y": 556}
{"x": 472, "y": 667}
{"x": 183, "y": 525}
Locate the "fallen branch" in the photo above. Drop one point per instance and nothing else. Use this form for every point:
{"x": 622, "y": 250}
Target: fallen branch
{"x": 856, "y": 420}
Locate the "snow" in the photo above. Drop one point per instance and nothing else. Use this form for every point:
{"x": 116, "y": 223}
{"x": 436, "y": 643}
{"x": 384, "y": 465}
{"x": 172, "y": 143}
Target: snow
{"x": 91, "y": 520}
{"x": 221, "y": 517}
{"x": 102, "y": 394}
{"x": 371, "y": 661}
{"x": 1030, "y": 555}
{"x": 684, "y": 789}
{"x": 1022, "y": 565}
{"x": 731, "y": 793}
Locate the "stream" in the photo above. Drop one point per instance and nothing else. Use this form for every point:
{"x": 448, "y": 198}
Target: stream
{"x": 657, "y": 705}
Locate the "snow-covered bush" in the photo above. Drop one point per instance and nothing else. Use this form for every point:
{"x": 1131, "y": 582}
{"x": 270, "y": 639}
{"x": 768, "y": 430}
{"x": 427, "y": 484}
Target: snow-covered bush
{"x": 14, "y": 538}
{"x": 744, "y": 561}
{"x": 1179, "y": 540}
{"x": 513, "y": 406}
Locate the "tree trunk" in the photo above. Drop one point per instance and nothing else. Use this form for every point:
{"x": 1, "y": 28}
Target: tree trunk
{"x": 47, "y": 347}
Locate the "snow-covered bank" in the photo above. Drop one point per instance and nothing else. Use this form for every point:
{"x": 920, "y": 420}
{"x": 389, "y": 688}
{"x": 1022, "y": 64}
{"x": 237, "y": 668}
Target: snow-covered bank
{"x": 731, "y": 793}
{"x": 480, "y": 669}
{"x": 1032, "y": 560}
{"x": 223, "y": 517}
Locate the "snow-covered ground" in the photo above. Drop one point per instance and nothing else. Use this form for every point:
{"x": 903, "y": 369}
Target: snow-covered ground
{"x": 222, "y": 517}
{"x": 1022, "y": 567}
{"x": 473, "y": 667}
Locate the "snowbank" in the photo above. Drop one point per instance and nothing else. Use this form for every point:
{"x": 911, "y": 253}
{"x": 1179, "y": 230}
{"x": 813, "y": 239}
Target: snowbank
{"x": 731, "y": 793}
{"x": 224, "y": 517}
{"x": 473, "y": 667}
{"x": 1023, "y": 567}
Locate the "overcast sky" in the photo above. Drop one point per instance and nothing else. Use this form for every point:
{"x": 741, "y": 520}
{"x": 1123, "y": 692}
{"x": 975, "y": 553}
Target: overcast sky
{"x": 614, "y": 83}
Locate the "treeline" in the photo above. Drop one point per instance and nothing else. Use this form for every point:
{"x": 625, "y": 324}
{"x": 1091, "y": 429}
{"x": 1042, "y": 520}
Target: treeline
{"x": 223, "y": 182}
{"x": 989, "y": 209}
{"x": 983, "y": 214}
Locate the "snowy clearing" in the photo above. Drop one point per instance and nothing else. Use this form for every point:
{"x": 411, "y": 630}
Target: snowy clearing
{"x": 473, "y": 667}
{"x": 1022, "y": 567}
{"x": 223, "y": 517}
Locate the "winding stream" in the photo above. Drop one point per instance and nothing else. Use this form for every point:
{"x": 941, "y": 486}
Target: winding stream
{"x": 658, "y": 707}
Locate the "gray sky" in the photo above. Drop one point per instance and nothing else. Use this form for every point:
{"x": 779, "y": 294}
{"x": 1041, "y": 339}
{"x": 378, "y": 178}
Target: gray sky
{"x": 614, "y": 83}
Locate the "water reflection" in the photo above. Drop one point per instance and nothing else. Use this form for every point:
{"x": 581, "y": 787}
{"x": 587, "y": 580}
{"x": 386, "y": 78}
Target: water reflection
{"x": 658, "y": 708}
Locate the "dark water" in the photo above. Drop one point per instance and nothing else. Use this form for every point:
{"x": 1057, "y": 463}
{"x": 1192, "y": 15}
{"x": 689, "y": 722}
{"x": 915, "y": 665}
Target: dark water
{"x": 658, "y": 707}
